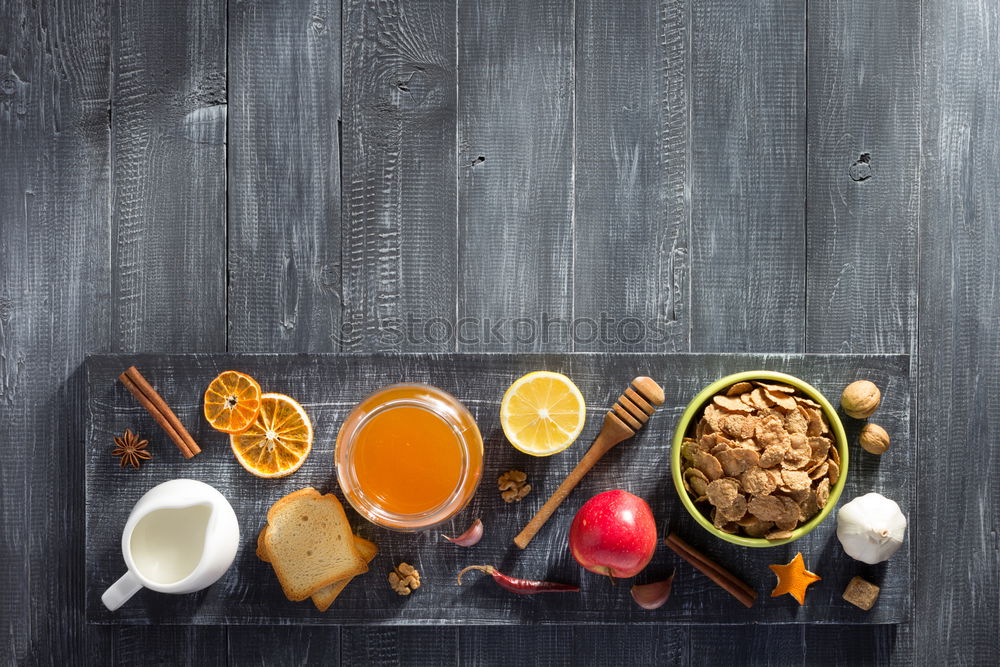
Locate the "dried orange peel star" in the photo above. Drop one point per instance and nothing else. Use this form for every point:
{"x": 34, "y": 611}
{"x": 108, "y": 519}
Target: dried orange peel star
{"x": 793, "y": 579}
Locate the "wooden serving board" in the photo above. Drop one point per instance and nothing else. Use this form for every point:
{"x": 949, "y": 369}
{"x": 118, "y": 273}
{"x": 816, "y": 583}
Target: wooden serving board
{"x": 330, "y": 385}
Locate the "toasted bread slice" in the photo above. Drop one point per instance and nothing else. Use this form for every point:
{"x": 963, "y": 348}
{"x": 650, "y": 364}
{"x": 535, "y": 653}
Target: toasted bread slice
{"x": 363, "y": 547}
{"x": 309, "y": 543}
{"x": 325, "y": 596}
{"x": 307, "y": 492}
{"x": 261, "y": 554}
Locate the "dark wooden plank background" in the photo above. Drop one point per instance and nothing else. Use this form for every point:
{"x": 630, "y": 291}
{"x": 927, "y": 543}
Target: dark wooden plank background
{"x": 329, "y": 386}
{"x": 115, "y": 236}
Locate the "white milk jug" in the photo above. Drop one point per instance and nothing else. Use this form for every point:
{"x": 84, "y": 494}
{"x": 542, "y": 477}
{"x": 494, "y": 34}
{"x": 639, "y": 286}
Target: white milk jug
{"x": 181, "y": 537}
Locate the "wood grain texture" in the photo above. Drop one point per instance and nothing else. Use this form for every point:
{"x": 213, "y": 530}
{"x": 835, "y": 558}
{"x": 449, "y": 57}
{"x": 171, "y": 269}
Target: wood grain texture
{"x": 515, "y": 159}
{"x": 748, "y": 185}
{"x": 958, "y": 367}
{"x": 330, "y": 385}
{"x": 284, "y": 252}
{"x": 785, "y": 645}
{"x": 284, "y": 645}
{"x": 863, "y": 182}
{"x": 631, "y": 216}
{"x": 864, "y": 67}
{"x": 399, "y": 174}
{"x": 168, "y": 134}
{"x": 774, "y": 645}
{"x": 387, "y": 647}
{"x": 854, "y": 646}
{"x": 555, "y": 645}
{"x": 54, "y": 190}
{"x": 168, "y": 645}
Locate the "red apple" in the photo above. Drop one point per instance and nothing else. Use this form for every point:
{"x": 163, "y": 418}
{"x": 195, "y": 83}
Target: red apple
{"x": 614, "y": 534}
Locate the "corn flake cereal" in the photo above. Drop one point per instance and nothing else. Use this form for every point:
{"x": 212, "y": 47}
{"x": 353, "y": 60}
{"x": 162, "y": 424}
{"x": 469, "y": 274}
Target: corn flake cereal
{"x": 761, "y": 460}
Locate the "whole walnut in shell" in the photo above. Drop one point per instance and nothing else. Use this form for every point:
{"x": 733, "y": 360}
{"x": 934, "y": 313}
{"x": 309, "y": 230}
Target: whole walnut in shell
{"x": 860, "y": 399}
{"x": 874, "y": 439}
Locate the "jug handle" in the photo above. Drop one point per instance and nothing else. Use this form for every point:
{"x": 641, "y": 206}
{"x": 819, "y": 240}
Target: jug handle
{"x": 120, "y": 591}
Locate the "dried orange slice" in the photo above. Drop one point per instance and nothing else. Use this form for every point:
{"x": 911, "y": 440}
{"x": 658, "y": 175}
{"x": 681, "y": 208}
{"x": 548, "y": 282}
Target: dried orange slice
{"x": 278, "y": 440}
{"x": 232, "y": 402}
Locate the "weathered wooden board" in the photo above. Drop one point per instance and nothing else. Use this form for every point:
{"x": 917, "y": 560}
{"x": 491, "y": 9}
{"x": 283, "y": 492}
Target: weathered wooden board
{"x": 847, "y": 645}
{"x": 863, "y": 166}
{"x": 863, "y": 73}
{"x": 957, "y": 570}
{"x": 398, "y": 159}
{"x": 284, "y": 250}
{"x": 549, "y": 645}
{"x": 54, "y": 193}
{"x": 168, "y": 217}
{"x": 330, "y": 385}
{"x": 515, "y": 179}
{"x": 576, "y": 645}
{"x": 748, "y": 187}
{"x": 631, "y": 215}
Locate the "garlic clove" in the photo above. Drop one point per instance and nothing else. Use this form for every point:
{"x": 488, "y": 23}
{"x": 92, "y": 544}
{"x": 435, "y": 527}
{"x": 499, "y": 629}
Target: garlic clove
{"x": 654, "y": 595}
{"x": 471, "y": 536}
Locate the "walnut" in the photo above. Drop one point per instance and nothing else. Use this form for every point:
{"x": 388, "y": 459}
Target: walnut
{"x": 860, "y": 399}
{"x": 513, "y": 485}
{"x": 874, "y": 439}
{"x": 404, "y": 579}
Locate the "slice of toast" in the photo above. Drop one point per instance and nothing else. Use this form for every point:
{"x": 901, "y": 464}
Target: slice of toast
{"x": 325, "y": 596}
{"x": 309, "y": 543}
{"x": 261, "y": 554}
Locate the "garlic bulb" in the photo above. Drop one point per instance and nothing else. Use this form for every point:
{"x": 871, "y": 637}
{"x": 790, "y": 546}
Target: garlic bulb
{"x": 871, "y": 528}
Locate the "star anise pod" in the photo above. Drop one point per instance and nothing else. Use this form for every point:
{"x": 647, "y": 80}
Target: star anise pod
{"x": 131, "y": 449}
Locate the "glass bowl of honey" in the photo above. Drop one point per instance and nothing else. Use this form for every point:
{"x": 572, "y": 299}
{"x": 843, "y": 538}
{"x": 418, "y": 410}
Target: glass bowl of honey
{"x": 409, "y": 457}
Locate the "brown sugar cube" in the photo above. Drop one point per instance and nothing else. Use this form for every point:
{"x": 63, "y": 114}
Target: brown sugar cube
{"x": 862, "y": 594}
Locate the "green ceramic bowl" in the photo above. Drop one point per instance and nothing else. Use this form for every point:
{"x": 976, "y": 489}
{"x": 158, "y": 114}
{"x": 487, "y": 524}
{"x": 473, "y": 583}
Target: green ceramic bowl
{"x": 694, "y": 409}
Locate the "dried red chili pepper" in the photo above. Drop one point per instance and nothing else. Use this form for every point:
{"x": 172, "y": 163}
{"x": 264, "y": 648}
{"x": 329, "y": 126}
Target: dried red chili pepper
{"x": 520, "y": 586}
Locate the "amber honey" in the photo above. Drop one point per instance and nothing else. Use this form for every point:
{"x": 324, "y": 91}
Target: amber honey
{"x": 409, "y": 456}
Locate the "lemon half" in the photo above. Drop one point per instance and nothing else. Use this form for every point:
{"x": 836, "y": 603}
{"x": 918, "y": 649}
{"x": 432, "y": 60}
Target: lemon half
{"x": 542, "y": 413}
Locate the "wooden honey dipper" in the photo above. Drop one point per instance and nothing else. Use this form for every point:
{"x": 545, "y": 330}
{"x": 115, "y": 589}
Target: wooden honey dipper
{"x": 630, "y": 413}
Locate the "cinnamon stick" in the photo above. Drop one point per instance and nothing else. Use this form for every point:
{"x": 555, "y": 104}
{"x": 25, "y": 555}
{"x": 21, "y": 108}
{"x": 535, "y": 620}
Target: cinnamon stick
{"x": 720, "y": 575}
{"x": 160, "y": 411}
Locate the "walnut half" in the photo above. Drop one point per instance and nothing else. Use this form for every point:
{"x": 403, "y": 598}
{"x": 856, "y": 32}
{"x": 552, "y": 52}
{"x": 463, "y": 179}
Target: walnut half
{"x": 404, "y": 579}
{"x": 513, "y": 485}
